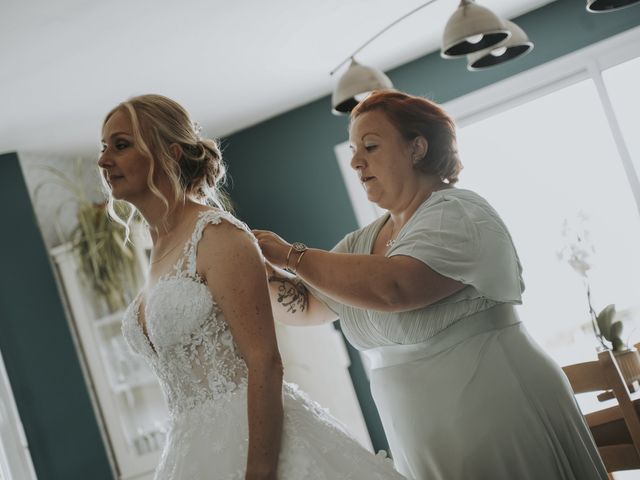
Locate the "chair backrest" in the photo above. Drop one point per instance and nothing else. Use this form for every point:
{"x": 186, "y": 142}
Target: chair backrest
{"x": 587, "y": 377}
{"x": 604, "y": 374}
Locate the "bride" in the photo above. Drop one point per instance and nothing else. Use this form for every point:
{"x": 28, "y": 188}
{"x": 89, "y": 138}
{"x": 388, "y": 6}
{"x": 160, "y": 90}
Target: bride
{"x": 203, "y": 322}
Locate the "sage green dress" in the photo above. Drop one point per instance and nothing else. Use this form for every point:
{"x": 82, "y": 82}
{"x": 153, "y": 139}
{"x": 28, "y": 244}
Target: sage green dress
{"x": 462, "y": 390}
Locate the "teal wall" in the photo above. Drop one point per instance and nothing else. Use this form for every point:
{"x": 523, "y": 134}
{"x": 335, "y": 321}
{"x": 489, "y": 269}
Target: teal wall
{"x": 285, "y": 178}
{"x": 37, "y": 348}
{"x": 285, "y": 175}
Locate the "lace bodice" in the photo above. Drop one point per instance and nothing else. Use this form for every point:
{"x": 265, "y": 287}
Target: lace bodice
{"x": 188, "y": 343}
{"x": 189, "y": 346}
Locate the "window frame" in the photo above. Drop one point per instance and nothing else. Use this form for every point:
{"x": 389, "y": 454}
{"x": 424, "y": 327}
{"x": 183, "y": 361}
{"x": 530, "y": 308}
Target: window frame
{"x": 586, "y": 63}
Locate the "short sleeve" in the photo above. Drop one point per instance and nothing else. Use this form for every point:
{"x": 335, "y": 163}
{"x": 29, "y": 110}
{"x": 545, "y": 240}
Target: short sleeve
{"x": 467, "y": 242}
{"x": 343, "y": 246}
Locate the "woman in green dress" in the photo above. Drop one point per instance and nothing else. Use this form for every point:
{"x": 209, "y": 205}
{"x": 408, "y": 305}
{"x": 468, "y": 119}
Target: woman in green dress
{"x": 427, "y": 293}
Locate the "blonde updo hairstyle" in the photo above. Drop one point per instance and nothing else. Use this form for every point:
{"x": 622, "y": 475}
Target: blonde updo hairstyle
{"x": 159, "y": 122}
{"x": 416, "y": 116}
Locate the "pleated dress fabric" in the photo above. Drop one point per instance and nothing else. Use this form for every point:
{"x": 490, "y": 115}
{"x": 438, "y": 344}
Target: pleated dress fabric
{"x": 462, "y": 390}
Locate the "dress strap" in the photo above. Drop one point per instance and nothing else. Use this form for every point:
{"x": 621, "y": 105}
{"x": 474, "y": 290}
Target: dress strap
{"x": 208, "y": 217}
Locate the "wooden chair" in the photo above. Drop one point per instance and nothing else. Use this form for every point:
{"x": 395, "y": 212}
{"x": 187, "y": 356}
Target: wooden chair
{"x": 616, "y": 429}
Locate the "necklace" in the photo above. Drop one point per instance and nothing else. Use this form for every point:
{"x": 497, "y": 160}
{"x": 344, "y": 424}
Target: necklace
{"x": 392, "y": 239}
{"x": 172, "y": 232}
{"x": 156, "y": 260}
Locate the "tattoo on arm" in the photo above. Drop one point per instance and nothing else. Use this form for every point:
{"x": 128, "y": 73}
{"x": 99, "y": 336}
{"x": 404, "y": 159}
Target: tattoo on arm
{"x": 292, "y": 294}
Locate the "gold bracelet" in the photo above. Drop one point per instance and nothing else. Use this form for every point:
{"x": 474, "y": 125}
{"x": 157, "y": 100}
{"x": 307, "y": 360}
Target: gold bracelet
{"x": 295, "y": 269}
{"x": 298, "y": 247}
{"x": 286, "y": 264}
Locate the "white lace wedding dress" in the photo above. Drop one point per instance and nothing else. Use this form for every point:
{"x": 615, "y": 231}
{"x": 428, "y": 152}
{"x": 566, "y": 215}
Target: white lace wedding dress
{"x": 190, "y": 349}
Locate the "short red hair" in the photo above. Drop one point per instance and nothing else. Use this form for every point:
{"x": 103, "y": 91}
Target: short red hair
{"x": 416, "y": 116}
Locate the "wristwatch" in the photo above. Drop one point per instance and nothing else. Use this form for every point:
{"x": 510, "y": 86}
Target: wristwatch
{"x": 298, "y": 247}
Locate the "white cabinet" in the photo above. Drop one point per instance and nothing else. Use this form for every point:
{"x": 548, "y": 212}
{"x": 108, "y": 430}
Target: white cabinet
{"x": 126, "y": 396}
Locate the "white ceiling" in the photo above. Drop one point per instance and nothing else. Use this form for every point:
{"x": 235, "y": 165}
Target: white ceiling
{"x": 232, "y": 63}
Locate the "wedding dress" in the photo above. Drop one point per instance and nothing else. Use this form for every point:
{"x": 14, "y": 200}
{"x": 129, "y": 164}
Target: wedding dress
{"x": 190, "y": 349}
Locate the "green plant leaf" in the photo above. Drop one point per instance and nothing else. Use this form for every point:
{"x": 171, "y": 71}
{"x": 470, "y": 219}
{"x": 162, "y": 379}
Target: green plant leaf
{"x": 616, "y": 336}
{"x": 106, "y": 262}
{"x": 604, "y": 319}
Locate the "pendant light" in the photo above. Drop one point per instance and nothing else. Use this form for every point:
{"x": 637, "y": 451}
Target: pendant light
{"x": 604, "y": 6}
{"x": 356, "y": 83}
{"x": 516, "y": 45}
{"x": 471, "y": 28}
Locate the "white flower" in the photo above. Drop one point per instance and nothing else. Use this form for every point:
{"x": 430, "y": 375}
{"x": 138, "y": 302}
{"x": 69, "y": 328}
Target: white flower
{"x": 579, "y": 265}
{"x": 578, "y": 251}
{"x": 577, "y": 254}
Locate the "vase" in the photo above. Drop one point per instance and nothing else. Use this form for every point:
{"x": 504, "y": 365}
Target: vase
{"x": 629, "y": 363}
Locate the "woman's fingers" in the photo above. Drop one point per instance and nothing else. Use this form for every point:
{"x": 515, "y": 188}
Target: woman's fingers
{"x": 273, "y": 247}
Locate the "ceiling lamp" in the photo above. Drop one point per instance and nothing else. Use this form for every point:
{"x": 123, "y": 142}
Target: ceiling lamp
{"x": 472, "y": 28}
{"x": 356, "y": 83}
{"x": 604, "y": 6}
{"x": 516, "y": 45}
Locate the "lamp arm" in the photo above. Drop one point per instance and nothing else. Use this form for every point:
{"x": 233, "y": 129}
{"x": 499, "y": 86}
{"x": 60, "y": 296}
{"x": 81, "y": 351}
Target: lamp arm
{"x": 380, "y": 33}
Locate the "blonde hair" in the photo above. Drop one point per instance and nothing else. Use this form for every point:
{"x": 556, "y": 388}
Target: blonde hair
{"x": 158, "y": 122}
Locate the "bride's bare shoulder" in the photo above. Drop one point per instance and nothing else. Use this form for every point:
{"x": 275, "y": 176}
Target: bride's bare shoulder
{"x": 226, "y": 239}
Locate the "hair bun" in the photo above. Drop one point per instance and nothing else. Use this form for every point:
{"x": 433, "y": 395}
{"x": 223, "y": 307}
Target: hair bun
{"x": 213, "y": 159}
{"x": 201, "y": 165}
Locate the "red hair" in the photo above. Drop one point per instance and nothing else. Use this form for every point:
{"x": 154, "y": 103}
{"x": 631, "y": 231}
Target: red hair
{"x": 414, "y": 117}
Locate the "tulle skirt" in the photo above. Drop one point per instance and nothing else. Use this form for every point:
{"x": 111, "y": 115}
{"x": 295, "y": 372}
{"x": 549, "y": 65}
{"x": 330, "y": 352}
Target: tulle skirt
{"x": 210, "y": 442}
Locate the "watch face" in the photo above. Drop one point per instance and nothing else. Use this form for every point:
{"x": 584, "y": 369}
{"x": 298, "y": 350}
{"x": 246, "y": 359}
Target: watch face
{"x": 299, "y": 247}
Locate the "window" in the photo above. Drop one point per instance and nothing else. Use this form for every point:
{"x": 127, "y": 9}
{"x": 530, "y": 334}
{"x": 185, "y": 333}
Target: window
{"x": 549, "y": 145}
{"x": 539, "y": 164}
{"x": 15, "y": 459}
{"x": 621, "y": 82}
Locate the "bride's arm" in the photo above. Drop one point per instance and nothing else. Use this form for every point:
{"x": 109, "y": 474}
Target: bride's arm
{"x": 293, "y": 303}
{"x": 233, "y": 267}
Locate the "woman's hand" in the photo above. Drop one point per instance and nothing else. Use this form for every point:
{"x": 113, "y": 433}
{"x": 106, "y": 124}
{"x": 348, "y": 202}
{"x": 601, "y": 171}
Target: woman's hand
{"x": 274, "y": 248}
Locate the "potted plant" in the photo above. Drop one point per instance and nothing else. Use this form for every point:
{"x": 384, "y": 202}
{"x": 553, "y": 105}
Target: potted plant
{"x": 606, "y": 327}
{"x": 610, "y": 330}
{"x": 106, "y": 260}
